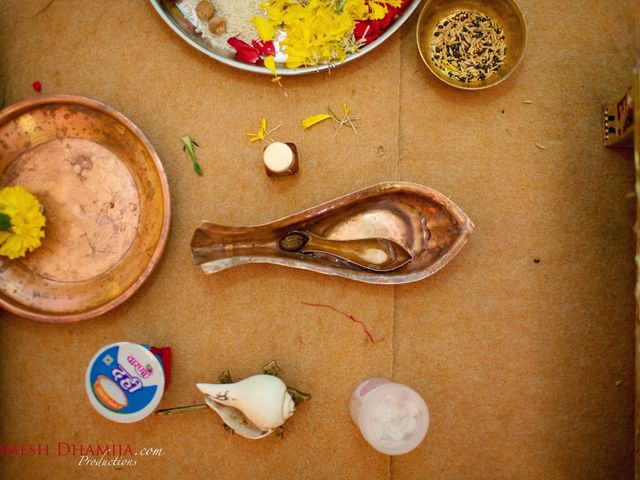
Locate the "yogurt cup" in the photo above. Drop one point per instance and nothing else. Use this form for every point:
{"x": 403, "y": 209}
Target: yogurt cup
{"x": 125, "y": 382}
{"x": 392, "y": 417}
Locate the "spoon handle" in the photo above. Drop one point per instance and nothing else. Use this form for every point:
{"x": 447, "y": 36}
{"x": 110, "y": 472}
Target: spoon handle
{"x": 371, "y": 253}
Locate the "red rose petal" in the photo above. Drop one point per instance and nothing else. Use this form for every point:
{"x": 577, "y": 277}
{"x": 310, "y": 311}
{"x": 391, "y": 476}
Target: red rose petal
{"x": 372, "y": 38}
{"x": 269, "y": 48}
{"x": 360, "y": 30}
{"x": 265, "y": 48}
{"x": 37, "y": 86}
{"x": 244, "y": 52}
{"x": 386, "y": 20}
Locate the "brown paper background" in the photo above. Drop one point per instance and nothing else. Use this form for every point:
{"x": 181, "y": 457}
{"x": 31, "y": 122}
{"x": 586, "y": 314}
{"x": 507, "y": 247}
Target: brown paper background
{"x": 527, "y": 367}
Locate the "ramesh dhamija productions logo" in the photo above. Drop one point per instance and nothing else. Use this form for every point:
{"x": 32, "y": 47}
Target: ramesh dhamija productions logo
{"x": 87, "y": 454}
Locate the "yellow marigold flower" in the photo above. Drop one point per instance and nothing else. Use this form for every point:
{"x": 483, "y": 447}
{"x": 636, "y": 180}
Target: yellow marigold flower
{"x": 316, "y": 30}
{"x": 26, "y": 222}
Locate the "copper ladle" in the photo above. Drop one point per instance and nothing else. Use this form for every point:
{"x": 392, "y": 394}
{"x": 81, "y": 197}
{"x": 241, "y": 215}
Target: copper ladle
{"x": 376, "y": 254}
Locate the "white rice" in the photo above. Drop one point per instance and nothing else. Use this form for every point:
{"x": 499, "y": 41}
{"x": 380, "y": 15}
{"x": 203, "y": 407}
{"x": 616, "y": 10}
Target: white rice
{"x": 237, "y": 14}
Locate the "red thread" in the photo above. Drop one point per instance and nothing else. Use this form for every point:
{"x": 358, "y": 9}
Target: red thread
{"x": 350, "y": 317}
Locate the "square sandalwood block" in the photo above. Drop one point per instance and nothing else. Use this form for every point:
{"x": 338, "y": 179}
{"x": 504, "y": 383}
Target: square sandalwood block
{"x": 281, "y": 159}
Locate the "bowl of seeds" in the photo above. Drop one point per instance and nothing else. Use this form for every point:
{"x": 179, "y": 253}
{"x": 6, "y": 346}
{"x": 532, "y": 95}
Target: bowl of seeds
{"x": 471, "y": 44}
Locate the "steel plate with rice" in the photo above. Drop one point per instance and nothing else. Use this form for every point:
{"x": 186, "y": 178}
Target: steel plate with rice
{"x": 210, "y": 31}
{"x": 106, "y": 199}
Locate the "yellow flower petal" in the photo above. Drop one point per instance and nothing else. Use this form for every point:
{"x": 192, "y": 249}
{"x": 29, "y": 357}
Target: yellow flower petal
{"x": 377, "y": 11}
{"x": 266, "y": 30}
{"x": 270, "y": 63}
{"x": 314, "y": 119}
{"x": 254, "y": 137}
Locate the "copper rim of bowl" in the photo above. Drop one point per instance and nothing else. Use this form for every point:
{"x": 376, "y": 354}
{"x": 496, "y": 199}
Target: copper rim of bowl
{"x": 29, "y": 104}
{"x": 419, "y": 30}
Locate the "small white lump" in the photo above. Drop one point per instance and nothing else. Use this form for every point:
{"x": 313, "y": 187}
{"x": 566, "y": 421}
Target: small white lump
{"x": 278, "y": 157}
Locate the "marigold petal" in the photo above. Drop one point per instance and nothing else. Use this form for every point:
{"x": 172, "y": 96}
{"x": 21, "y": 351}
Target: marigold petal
{"x": 270, "y": 63}
{"x": 314, "y": 119}
{"x": 266, "y": 30}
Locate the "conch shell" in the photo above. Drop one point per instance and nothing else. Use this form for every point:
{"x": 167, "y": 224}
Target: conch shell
{"x": 253, "y": 407}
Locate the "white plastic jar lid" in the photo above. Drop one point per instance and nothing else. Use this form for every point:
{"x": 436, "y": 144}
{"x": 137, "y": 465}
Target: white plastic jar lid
{"x": 393, "y": 418}
{"x": 124, "y": 382}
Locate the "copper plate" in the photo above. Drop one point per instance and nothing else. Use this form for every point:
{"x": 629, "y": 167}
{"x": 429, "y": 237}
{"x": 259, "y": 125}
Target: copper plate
{"x": 106, "y": 199}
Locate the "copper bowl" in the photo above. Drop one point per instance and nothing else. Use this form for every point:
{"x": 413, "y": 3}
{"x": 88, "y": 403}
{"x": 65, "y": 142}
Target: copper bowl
{"x": 427, "y": 224}
{"x": 505, "y": 12}
{"x": 106, "y": 200}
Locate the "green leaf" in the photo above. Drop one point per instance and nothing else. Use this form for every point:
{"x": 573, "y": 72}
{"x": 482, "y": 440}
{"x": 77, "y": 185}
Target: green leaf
{"x": 5, "y": 222}
{"x": 189, "y": 145}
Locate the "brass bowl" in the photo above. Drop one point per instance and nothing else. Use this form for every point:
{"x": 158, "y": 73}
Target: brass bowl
{"x": 505, "y": 12}
{"x": 106, "y": 199}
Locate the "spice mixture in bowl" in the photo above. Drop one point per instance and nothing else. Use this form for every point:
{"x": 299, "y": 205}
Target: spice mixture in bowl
{"x": 468, "y": 46}
{"x": 471, "y": 44}
{"x": 285, "y": 37}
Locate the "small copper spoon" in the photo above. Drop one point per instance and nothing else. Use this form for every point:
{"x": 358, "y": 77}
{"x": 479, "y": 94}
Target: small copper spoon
{"x": 376, "y": 254}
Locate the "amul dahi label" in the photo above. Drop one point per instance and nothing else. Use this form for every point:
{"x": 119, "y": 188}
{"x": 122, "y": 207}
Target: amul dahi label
{"x": 125, "y": 382}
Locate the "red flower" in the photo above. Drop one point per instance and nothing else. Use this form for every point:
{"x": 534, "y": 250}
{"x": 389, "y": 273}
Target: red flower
{"x": 244, "y": 52}
{"x": 386, "y": 20}
{"x": 266, "y": 49}
{"x": 369, "y": 30}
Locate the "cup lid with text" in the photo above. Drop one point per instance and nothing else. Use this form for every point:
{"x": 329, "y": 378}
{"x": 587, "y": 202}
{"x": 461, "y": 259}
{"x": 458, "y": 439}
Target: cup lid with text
{"x": 125, "y": 382}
